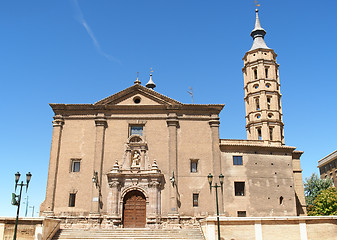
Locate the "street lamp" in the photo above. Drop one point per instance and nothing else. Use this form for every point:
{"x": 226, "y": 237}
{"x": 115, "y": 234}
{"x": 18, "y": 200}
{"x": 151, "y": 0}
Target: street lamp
{"x": 216, "y": 186}
{"x": 16, "y": 199}
{"x": 95, "y": 180}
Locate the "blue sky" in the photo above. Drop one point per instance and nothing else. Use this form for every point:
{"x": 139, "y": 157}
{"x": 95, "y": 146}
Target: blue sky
{"x": 83, "y": 51}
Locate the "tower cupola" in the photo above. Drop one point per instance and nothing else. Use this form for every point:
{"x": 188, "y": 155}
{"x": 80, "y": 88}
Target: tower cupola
{"x": 258, "y": 34}
{"x": 150, "y": 83}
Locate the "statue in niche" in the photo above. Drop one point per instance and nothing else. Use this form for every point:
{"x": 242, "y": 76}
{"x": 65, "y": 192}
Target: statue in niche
{"x": 135, "y": 159}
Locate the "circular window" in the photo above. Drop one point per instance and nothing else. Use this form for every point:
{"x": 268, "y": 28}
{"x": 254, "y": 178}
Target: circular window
{"x": 270, "y": 115}
{"x": 136, "y": 100}
{"x": 268, "y": 85}
{"x": 256, "y": 86}
{"x": 258, "y": 116}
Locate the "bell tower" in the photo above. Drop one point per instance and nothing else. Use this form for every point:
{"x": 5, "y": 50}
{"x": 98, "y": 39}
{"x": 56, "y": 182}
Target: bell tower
{"x": 262, "y": 90}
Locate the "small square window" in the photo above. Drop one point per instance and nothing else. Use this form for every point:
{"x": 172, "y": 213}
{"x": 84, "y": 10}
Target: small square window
{"x": 237, "y": 160}
{"x": 72, "y": 198}
{"x": 195, "y": 199}
{"x": 75, "y": 165}
{"x": 194, "y": 165}
{"x": 136, "y": 130}
{"x": 239, "y": 188}
{"x": 242, "y": 214}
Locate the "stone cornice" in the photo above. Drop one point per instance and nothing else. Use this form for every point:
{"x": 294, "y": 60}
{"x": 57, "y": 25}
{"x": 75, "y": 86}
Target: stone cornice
{"x": 255, "y": 145}
{"x": 260, "y": 61}
{"x": 74, "y": 109}
{"x": 257, "y": 50}
{"x": 332, "y": 156}
{"x": 259, "y": 92}
{"x": 260, "y": 122}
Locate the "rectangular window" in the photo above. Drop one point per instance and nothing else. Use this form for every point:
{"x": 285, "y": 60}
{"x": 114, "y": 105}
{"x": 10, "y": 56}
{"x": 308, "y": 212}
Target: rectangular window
{"x": 194, "y": 165}
{"x": 237, "y": 160}
{"x": 239, "y": 188}
{"x": 242, "y": 214}
{"x": 255, "y": 73}
{"x": 75, "y": 165}
{"x": 195, "y": 199}
{"x": 72, "y": 199}
{"x": 271, "y": 133}
{"x": 136, "y": 130}
{"x": 266, "y": 72}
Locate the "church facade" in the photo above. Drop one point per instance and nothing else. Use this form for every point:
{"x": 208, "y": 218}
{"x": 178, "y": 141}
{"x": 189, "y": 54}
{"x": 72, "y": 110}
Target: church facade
{"x": 138, "y": 158}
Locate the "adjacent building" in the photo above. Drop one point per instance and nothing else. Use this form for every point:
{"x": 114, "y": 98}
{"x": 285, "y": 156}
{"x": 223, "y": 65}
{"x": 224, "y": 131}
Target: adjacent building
{"x": 327, "y": 167}
{"x": 138, "y": 158}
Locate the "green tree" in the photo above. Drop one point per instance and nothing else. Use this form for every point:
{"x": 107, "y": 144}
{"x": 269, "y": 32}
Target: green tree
{"x": 325, "y": 203}
{"x": 313, "y": 186}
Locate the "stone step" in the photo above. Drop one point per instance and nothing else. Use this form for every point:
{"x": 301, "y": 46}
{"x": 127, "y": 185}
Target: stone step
{"x": 131, "y": 234}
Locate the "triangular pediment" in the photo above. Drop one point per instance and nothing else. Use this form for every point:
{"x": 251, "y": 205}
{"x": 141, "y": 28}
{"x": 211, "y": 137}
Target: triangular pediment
{"x": 138, "y": 95}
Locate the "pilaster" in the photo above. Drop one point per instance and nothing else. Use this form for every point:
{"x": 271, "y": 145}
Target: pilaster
{"x": 216, "y": 158}
{"x": 101, "y": 124}
{"x": 53, "y": 165}
{"x": 173, "y": 124}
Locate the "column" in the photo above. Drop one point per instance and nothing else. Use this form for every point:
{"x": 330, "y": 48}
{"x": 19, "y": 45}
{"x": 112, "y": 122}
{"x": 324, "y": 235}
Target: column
{"x": 101, "y": 124}
{"x": 216, "y": 156}
{"x": 173, "y": 123}
{"x": 114, "y": 200}
{"x": 53, "y": 165}
{"x": 142, "y": 157}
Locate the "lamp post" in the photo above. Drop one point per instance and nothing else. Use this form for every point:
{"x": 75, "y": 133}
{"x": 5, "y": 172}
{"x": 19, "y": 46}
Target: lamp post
{"x": 95, "y": 180}
{"x": 216, "y": 186}
{"x": 16, "y": 199}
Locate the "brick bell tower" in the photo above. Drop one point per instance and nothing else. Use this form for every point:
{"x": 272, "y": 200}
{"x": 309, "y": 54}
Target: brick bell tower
{"x": 262, "y": 90}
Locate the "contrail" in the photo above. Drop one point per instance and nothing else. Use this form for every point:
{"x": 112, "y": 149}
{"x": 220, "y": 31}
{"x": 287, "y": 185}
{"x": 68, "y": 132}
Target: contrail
{"x": 79, "y": 17}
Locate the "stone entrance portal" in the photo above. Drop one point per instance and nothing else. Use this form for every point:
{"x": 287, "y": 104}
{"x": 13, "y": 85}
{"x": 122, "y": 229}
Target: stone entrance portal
{"x": 134, "y": 210}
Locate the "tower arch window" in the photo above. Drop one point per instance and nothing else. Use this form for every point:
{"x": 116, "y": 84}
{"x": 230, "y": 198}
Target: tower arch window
{"x": 266, "y": 72}
{"x": 257, "y": 103}
{"x": 255, "y": 73}
{"x": 259, "y": 133}
{"x": 279, "y": 104}
{"x": 268, "y": 102}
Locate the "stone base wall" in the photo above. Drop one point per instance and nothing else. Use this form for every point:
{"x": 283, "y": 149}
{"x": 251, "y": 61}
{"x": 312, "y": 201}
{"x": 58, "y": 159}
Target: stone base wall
{"x": 276, "y": 228}
{"x": 110, "y": 222}
{"x": 28, "y": 228}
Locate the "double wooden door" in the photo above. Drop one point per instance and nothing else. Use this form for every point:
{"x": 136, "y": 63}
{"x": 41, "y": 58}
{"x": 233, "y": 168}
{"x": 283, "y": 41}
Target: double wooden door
{"x": 134, "y": 210}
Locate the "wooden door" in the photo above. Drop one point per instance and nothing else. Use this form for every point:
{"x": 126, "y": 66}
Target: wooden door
{"x": 134, "y": 210}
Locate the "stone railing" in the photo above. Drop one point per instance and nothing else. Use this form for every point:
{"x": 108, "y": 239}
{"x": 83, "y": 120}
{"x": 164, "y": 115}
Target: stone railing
{"x": 260, "y": 228}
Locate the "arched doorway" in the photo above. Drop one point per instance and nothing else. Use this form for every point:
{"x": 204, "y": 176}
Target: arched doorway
{"x": 134, "y": 210}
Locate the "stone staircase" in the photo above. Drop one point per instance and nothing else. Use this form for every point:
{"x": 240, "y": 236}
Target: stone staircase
{"x": 129, "y": 233}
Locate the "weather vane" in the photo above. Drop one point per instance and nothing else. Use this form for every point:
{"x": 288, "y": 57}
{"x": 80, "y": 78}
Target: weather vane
{"x": 191, "y": 93}
{"x": 256, "y": 3}
{"x": 151, "y": 71}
